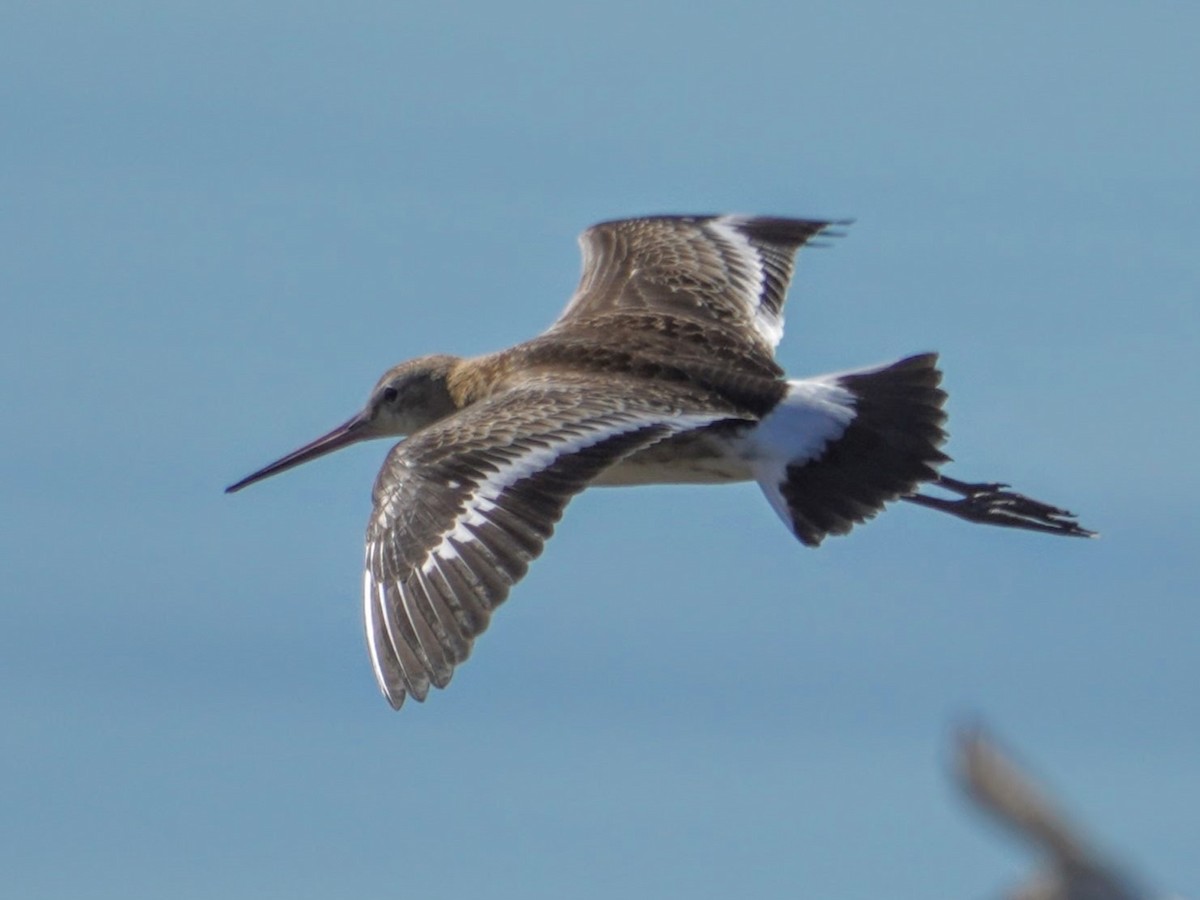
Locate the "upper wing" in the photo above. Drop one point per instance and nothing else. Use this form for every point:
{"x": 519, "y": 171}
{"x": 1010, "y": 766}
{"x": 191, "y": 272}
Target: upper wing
{"x": 463, "y": 506}
{"x": 727, "y": 270}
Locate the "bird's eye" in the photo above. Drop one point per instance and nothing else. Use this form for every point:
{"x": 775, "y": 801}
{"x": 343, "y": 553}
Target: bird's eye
{"x": 390, "y": 393}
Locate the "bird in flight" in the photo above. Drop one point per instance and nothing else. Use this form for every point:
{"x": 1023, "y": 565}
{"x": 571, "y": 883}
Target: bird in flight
{"x": 661, "y": 370}
{"x": 1073, "y": 869}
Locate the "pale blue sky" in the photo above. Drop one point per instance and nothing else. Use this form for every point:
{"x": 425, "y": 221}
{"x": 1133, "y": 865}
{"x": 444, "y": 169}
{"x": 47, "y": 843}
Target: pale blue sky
{"x": 220, "y": 222}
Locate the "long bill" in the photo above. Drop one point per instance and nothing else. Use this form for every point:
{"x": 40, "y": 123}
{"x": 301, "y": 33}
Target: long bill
{"x": 349, "y": 432}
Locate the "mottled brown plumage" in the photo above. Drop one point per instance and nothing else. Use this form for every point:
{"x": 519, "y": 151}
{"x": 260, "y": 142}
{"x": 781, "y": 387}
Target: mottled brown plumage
{"x": 660, "y": 369}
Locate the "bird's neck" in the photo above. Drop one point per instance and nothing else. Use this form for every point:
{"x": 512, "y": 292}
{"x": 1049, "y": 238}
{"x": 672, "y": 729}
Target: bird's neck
{"x": 469, "y": 381}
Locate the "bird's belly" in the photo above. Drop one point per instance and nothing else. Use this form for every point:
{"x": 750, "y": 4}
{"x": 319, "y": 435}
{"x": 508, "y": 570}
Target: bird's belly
{"x": 686, "y": 459}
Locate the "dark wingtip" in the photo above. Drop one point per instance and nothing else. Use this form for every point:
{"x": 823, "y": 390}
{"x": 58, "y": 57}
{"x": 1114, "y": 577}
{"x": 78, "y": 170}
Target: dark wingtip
{"x": 832, "y": 230}
{"x": 789, "y": 232}
{"x": 837, "y": 223}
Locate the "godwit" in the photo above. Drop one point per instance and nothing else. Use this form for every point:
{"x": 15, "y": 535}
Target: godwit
{"x": 661, "y": 369}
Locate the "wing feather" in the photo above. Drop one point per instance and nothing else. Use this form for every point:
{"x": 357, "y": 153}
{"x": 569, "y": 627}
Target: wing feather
{"x": 463, "y": 507}
{"x": 728, "y": 272}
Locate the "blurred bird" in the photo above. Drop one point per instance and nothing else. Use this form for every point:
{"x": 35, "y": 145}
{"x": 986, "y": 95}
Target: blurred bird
{"x": 1072, "y": 869}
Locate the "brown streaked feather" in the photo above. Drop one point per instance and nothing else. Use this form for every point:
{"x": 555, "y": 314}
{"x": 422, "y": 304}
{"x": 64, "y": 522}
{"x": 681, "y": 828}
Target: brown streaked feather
{"x": 728, "y": 271}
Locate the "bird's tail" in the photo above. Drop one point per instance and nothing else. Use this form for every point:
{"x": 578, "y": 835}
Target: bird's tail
{"x": 839, "y": 447}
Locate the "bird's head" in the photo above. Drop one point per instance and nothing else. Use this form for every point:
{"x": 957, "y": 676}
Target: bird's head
{"x": 407, "y": 398}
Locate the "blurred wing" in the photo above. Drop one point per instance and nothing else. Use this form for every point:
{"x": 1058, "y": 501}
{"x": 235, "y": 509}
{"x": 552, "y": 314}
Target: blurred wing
{"x": 1074, "y": 871}
{"x": 731, "y": 271}
{"x": 1000, "y": 788}
{"x": 463, "y": 506}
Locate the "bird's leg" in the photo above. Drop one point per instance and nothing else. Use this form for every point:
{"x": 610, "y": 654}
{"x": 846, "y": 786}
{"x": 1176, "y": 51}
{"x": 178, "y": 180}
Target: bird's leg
{"x": 990, "y": 503}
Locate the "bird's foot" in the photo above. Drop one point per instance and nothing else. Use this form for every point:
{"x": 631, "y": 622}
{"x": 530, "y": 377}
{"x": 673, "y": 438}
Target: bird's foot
{"x": 991, "y": 503}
